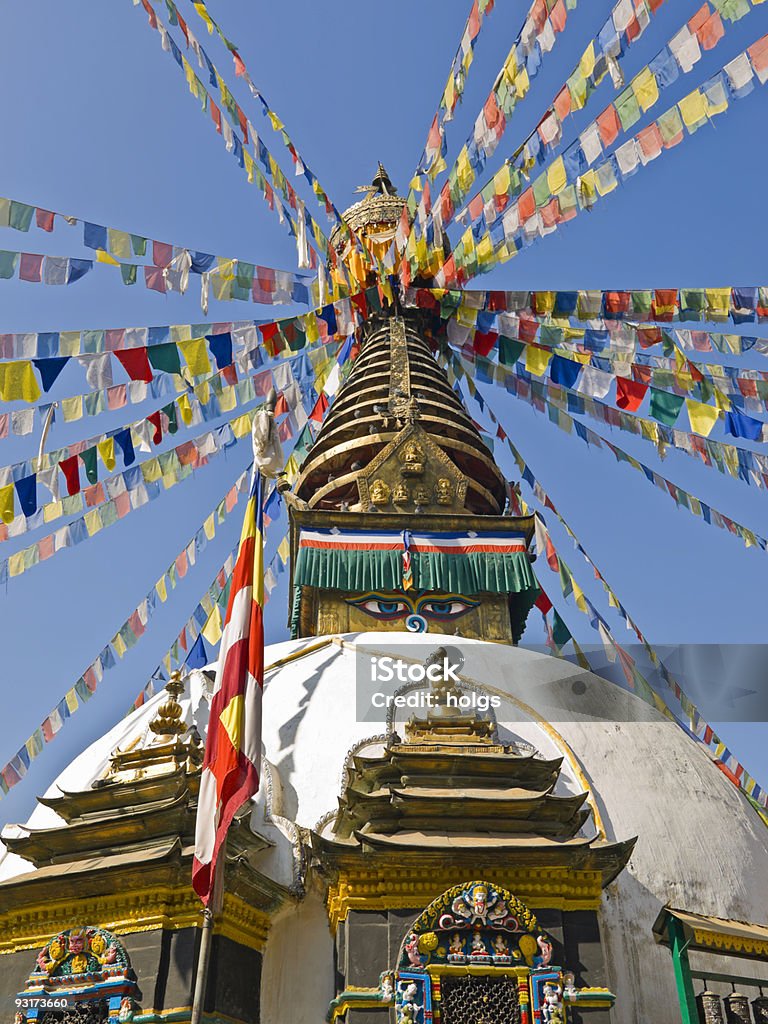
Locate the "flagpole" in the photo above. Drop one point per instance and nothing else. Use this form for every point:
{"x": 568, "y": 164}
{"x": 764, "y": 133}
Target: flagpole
{"x": 206, "y": 937}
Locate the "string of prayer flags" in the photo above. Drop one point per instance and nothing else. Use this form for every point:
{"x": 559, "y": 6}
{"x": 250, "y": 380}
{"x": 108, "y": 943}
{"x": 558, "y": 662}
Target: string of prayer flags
{"x": 230, "y": 279}
{"x": 593, "y": 375}
{"x": 740, "y": 305}
{"x": 124, "y": 639}
{"x": 625, "y": 25}
{"x": 70, "y": 493}
{"x": 738, "y": 463}
{"x": 535, "y": 394}
{"x": 432, "y": 160}
{"x": 170, "y": 264}
{"x": 702, "y": 32}
{"x": 237, "y": 132}
{"x": 293, "y": 331}
{"x": 241, "y": 71}
{"x": 534, "y": 216}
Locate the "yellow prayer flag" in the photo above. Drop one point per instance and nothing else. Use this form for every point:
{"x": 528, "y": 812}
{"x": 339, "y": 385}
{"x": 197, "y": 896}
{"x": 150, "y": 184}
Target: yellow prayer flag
{"x": 119, "y": 644}
{"x": 536, "y": 360}
{"x": 195, "y": 353}
{"x": 107, "y": 452}
{"x": 485, "y": 249}
{"x": 227, "y": 399}
{"x": 587, "y": 62}
{"x": 718, "y": 303}
{"x": 701, "y": 417}
{"x": 93, "y": 523}
{"x": 52, "y": 511}
{"x": 693, "y": 108}
{"x": 161, "y": 589}
{"x": 151, "y": 470}
{"x": 72, "y": 701}
{"x": 277, "y": 124}
{"x": 291, "y": 469}
{"x": 69, "y": 343}
{"x": 16, "y": 564}
{"x": 212, "y": 628}
{"x": 284, "y": 550}
{"x": 464, "y": 173}
{"x": 645, "y": 89}
{"x": 18, "y": 382}
{"x": 578, "y": 596}
{"x": 502, "y": 181}
{"x": 119, "y": 243}
{"x": 6, "y": 503}
{"x": 72, "y": 408}
{"x": 185, "y": 409}
{"x": 557, "y": 179}
{"x": 522, "y": 83}
{"x": 200, "y": 8}
{"x": 209, "y": 527}
{"x": 250, "y": 165}
{"x": 722, "y": 401}
{"x": 241, "y": 425}
{"x": 102, "y": 256}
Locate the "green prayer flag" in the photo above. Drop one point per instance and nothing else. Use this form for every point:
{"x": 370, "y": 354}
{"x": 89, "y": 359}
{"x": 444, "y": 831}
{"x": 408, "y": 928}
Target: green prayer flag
{"x": 7, "y": 263}
{"x": 665, "y": 407}
{"x": 560, "y": 632}
{"x": 641, "y": 303}
{"x": 510, "y": 350}
{"x": 128, "y": 272}
{"x": 89, "y": 461}
{"x": 628, "y": 108}
{"x": 20, "y": 216}
{"x": 164, "y": 358}
{"x": 541, "y": 192}
{"x": 170, "y": 412}
{"x": 139, "y": 245}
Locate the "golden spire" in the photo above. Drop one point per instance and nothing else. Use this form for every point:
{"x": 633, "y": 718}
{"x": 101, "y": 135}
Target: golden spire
{"x": 168, "y": 720}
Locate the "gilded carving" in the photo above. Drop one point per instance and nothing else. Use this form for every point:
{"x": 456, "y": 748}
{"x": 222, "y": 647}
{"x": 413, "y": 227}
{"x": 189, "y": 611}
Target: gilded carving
{"x": 413, "y": 456}
{"x": 379, "y": 492}
{"x": 444, "y": 491}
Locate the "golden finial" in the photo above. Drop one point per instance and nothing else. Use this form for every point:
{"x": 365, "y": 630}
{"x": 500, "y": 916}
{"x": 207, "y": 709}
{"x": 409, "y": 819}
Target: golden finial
{"x": 168, "y": 720}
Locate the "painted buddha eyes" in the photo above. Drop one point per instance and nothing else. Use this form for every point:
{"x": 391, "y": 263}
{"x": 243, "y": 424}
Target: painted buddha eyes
{"x": 449, "y": 609}
{"x": 441, "y": 609}
{"x": 382, "y": 609}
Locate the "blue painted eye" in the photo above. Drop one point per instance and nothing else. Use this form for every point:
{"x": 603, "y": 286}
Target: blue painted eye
{"x": 446, "y": 609}
{"x": 380, "y": 608}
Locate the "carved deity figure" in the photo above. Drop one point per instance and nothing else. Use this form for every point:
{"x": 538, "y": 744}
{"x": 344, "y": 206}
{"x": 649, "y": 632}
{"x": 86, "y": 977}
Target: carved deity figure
{"x": 379, "y": 493}
{"x": 422, "y": 496}
{"x": 444, "y": 491}
{"x": 456, "y": 946}
{"x": 478, "y": 947}
{"x": 412, "y": 459}
{"x": 401, "y": 495}
{"x": 412, "y": 950}
{"x": 552, "y": 1010}
{"x": 500, "y": 946}
{"x": 127, "y": 1010}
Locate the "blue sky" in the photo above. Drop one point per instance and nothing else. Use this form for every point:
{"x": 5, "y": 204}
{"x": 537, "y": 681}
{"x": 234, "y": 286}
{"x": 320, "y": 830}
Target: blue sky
{"x": 97, "y": 122}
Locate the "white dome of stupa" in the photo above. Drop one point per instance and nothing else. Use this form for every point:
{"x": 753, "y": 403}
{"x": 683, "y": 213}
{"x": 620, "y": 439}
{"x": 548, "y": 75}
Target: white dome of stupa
{"x": 700, "y": 845}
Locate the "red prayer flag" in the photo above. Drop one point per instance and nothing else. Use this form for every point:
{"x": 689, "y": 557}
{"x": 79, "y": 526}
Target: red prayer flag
{"x": 71, "y": 469}
{"x": 629, "y": 394}
{"x": 135, "y": 362}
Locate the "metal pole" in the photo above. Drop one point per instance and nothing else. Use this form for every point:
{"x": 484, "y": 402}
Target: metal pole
{"x": 682, "y": 969}
{"x": 206, "y": 938}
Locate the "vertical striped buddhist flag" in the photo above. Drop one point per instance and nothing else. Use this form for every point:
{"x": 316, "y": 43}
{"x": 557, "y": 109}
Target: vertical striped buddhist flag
{"x": 233, "y": 743}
